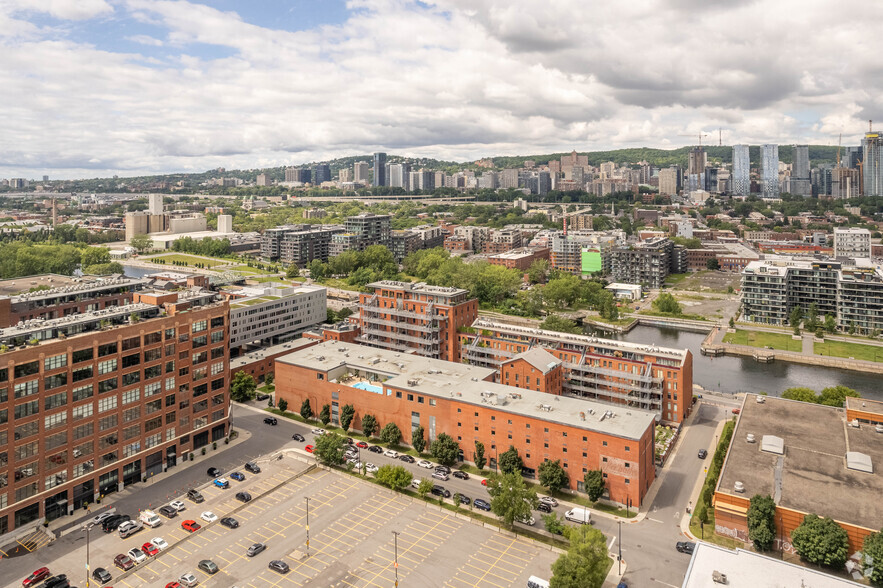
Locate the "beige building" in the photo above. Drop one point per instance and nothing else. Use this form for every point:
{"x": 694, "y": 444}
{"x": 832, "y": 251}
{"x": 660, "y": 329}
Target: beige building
{"x": 668, "y": 181}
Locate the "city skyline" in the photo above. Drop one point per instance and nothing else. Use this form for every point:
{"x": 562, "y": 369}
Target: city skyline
{"x": 134, "y": 87}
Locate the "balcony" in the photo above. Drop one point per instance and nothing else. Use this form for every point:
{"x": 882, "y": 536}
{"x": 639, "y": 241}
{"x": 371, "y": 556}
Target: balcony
{"x": 397, "y": 335}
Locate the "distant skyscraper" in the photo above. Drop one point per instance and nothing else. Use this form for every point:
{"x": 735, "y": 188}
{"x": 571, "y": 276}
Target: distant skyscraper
{"x": 769, "y": 160}
{"x": 741, "y": 170}
{"x": 360, "y": 172}
{"x": 698, "y": 161}
{"x": 872, "y": 170}
{"x": 669, "y": 181}
{"x": 851, "y": 157}
{"x": 380, "y": 169}
{"x": 399, "y": 175}
{"x": 321, "y": 173}
{"x": 343, "y": 176}
{"x": 800, "y": 179}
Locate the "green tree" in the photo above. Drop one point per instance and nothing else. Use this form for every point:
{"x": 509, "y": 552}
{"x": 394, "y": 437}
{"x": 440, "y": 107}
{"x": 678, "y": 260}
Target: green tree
{"x": 713, "y": 264}
{"x": 347, "y": 413}
{"x": 318, "y": 269}
{"x": 553, "y": 524}
{"x": 394, "y": 477}
{"x": 702, "y": 513}
{"x": 821, "y": 541}
{"x": 585, "y": 563}
{"x": 330, "y": 315}
{"x": 329, "y": 448}
{"x": 141, "y": 243}
{"x": 425, "y": 487}
{"x": 325, "y": 414}
{"x": 510, "y": 461}
{"x": 305, "y": 410}
{"x": 800, "y": 393}
{"x": 94, "y": 256}
{"x": 667, "y": 303}
{"x": 812, "y": 317}
{"x": 732, "y": 323}
{"x": 594, "y": 484}
{"x": 554, "y": 322}
{"x": 762, "y": 522}
{"x": 538, "y": 271}
{"x": 562, "y": 291}
{"x": 872, "y": 556}
{"x": 836, "y": 395}
{"x": 343, "y": 313}
{"x": 511, "y": 498}
{"x": 418, "y": 441}
{"x": 391, "y": 434}
{"x": 830, "y": 323}
{"x": 480, "y": 460}
{"x": 369, "y": 425}
{"x": 445, "y": 449}
{"x": 553, "y": 476}
{"x": 283, "y": 404}
{"x": 242, "y": 387}
{"x": 795, "y": 318}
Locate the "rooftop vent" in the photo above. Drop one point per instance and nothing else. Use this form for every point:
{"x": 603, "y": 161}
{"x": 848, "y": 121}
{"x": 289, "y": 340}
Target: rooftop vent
{"x": 750, "y": 438}
{"x": 739, "y": 487}
{"x": 320, "y": 358}
{"x": 854, "y": 423}
{"x": 773, "y": 444}
{"x": 761, "y": 399}
{"x": 879, "y": 428}
{"x": 859, "y": 462}
{"x": 545, "y": 407}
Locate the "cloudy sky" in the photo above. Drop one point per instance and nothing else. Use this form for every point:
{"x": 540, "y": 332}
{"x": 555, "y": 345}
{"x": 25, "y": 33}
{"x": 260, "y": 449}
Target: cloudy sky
{"x": 98, "y": 87}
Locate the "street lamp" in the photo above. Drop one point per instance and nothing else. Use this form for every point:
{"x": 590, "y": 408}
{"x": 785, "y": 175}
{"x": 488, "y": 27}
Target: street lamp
{"x": 620, "y": 547}
{"x": 88, "y": 528}
{"x": 395, "y": 536}
{"x": 308, "y": 526}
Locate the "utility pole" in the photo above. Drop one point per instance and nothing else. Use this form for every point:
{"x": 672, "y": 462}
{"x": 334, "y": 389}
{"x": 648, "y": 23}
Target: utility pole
{"x": 88, "y": 528}
{"x": 620, "y": 547}
{"x": 308, "y": 526}
{"x": 395, "y": 537}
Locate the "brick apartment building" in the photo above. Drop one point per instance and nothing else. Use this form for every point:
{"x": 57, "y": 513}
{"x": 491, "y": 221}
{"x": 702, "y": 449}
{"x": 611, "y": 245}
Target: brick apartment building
{"x": 520, "y": 259}
{"x": 464, "y": 402}
{"x": 96, "y": 401}
{"x": 415, "y": 317}
{"x": 651, "y": 378}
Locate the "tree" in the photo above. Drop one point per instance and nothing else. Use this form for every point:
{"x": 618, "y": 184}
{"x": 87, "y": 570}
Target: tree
{"x": 445, "y": 449}
{"x": 425, "y": 487}
{"x": 872, "y": 555}
{"x": 283, "y": 404}
{"x": 538, "y": 271}
{"x": 330, "y": 315}
{"x": 585, "y": 563}
{"x": 702, "y": 513}
{"x": 761, "y": 521}
{"x": 553, "y": 476}
{"x": 242, "y": 387}
{"x": 141, "y": 243}
{"x": 394, "y": 477}
{"x": 511, "y": 498}
{"x": 325, "y": 414}
{"x": 667, "y": 303}
{"x": 812, "y": 317}
{"x": 553, "y": 524}
{"x": 830, "y": 323}
{"x": 794, "y": 319}
{"x": 510, "y": 461}
{"x": 305, "y": 410}
{"x": 554, "y": 322}
{"x": 417, "y": 440}
{"x": 480, "y": 461}
{"x": 836, "y": 395}
{"x": 594, "y": 484}
{"x": 347, "y": 413}
{"x": 732, "y": 323}
{"x": 391, "y": 434}
{"x": 821, "y": 541}
{"x": 369, "y": 425}
{"x": 329, "y": 448}
{"x": 94, "y": 256}
{"x": 713, "y": 264}
{"x": 800, "y": 393}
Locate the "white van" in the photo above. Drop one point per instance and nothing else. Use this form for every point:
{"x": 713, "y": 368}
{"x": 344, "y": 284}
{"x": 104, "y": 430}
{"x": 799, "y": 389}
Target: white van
{"x": 150, "y": 518}
{"x": 534, "y": 582}
{"x": 579, "y": 514}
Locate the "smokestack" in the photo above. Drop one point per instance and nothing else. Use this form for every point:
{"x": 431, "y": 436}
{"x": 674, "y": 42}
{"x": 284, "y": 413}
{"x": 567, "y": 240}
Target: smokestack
{"x": 54, "y": 212}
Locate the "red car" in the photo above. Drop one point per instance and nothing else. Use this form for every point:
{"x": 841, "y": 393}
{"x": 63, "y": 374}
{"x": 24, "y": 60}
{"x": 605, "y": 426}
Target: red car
{"x": 173, "y": 585}
{"x": 149, "y": 549}
{"x": 308, "y": 448}
{"x": 123, "y": 562}
{"x": 484, "y": 482}
{"x": 737, "y": 410}
{"x": 190, "y": 526}
{"x": 36, "y": 577}
{"x": 362, "y": 444}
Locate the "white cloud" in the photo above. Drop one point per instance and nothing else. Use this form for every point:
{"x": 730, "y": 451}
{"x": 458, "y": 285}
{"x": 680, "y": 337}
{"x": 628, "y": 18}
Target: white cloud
{"x": 457, "y": 79}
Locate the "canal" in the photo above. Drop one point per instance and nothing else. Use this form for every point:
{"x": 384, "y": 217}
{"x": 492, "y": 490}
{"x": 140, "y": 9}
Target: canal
{"x": 738, "y": 374}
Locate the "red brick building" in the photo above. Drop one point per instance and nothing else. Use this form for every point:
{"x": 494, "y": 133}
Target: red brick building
{"x": 521, "y": 259}
{"x": 464, "y": 402}
{"x": 535, "y": 369}
{"x": 261, "y": 362}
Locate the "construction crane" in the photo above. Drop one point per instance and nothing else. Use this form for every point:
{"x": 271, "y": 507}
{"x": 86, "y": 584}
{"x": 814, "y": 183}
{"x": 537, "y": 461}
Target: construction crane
{"x": 700, "y": 137}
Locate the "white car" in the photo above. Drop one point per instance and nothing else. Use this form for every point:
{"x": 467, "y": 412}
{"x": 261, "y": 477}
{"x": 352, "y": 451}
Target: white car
{"x": 548, "y": 500}
{"x": 357, "y": 465}
{"x": 97, "y": 520}
{"x": 371, "y": 468}
{"x": 208, "y": 516}
{"x": 178, "y": 505}
{"x": 318, "y": 431}
{"x": 159, "y": 543}
{"x": 528, "y": 520}
{"x": 415, "y": 483}
{"x": 137, "y": 555}
{"x": 188, "y": 580}
{"x": 425, "y": 464}
{"x": 391, "y": 453}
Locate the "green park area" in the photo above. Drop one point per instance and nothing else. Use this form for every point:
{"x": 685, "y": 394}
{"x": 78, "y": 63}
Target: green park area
{"x": 244, "y": 269}
{"x": 764, "y": 339}
{"x": 849, "y": 350}
{"x": 183, "y": 258}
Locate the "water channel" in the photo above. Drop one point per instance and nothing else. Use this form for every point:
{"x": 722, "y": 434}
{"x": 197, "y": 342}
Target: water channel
{"x": 738, "y": 374}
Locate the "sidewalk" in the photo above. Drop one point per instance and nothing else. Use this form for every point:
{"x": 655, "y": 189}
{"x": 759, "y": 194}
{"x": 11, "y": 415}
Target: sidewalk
{"x": 697, "y": 486}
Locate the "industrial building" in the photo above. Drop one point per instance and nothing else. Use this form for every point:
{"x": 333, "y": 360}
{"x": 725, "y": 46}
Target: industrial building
{"x": 463, "y": 401}
{"x": 273, "y": 314}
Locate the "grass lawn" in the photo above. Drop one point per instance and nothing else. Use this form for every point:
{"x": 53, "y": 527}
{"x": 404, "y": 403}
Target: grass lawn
{"x": 844, "y": 349}
{"x": 709, "y": 535}
{"x": 244, "y": 269}
{"x": 692, "y": 317}
{"x": 188, "y": 259}
{"x": 338, "y": 283}
{"x": 763, "y": 339}
{"x": 674, "y": 279}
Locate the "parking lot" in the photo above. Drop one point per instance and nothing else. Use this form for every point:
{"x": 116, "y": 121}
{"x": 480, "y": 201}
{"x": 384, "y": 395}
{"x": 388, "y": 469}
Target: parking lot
{"x": 352, "y": 541}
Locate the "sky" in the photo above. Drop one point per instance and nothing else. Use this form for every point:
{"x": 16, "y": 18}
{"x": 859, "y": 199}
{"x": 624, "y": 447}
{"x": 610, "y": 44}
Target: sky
{"x": 93, "y": 88}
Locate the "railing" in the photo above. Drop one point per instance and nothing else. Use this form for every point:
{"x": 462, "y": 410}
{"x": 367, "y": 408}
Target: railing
{"x": 401, "y": 336}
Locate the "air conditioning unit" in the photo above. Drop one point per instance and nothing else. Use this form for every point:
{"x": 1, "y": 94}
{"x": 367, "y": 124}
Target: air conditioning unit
{"x": 854, "y": 423}
{"x": 749, "y": 438}
{"x": 739, "y": 487}
{"x": 761, "y": 399}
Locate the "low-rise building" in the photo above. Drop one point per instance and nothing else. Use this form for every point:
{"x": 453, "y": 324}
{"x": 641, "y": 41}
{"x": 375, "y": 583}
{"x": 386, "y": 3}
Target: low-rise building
{"x": 520, "y": 259}
{"x": 270, "y": 315}
{"x": 852, "y": 242}
{"x": 261, "y": 362}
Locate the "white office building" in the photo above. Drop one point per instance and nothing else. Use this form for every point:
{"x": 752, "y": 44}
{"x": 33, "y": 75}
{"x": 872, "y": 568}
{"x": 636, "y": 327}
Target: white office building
{"x": 852, "y": 242}
{"x": 274, "y": 314}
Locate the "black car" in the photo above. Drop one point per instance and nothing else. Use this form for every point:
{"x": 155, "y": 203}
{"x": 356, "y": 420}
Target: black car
{"x": 194, "y": 495}
{"x": 407, "y": 458}
{"x": 481, "y": 504}
{"x": 375, "y": 449}
{"x": 443, "y": 470}
{"x": 685, "y": 547}
{"x": 270, "y": 420}
{"x": 279, "y": 566}
{"x": 298, "y": 437}
{"x": 208, "y": 566}
{"x": 59, "y": 581}
{"x": 213, "y": 472}
{"x": 169, "y": 512}
{"x": 113, "y": 523}
{"x": 464, "y": 499}
{"x": 459, "y": 474}
{"x": 243, "y": 496}
{"x": 252, "y": 467}
{"x": 101, "y": 575}
{"x": 230, "y": 523}
{"x": 263, "y": 396}
{"x": 441, "y": 491}
{"x": 703, "y": 454}
{"x": 543, "y": 507}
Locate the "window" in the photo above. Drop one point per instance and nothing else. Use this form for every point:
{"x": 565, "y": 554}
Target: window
{"x": 81, "y": 431}
{"x": 217, "y": 399}
{"x": 107, "y": 367}
{"x": 200, "y": 406}
{"x": 131, "y": 360}
{"x": 152, "y": 389}
{"x": 170, "y": 367}
{"x": 106, "y": 404}
{"x": 152, "y": 338}
{"x": 131, "y": 396}
{"x": 170, "y": 418}
{"x": 604, "y": 443}
{"x": 170, "y": 384}
{"x": 152, "y": 372}
{"x": 199, "y": 422}
{"x": 131, "y": 414}
{"x": 108, "y": 441}
{"x": 107, "y": 349}
{"x": 107, "y": 385}
{"x": 108, "y": 422}
{"x": 55, "y": 401}
{"x": 27, "y": 450}
{"x": 27, "y": 388}
{"x": 131, "y": 449}
{"x": 217, "y": 321}
{"x": 217, "y": 384}
{"x": 200, "y": 326}
{"x": 153, "y": 440}
{"x": 419, "y": 400}
{"x": 217, "y": 368}
{"x": 84, "y": 373}
{"x": 108, "y": 458}
{"x": 217, "y": 352}
{"x": 170, "y": 400}
{"x": 132, "y": 431}
{"x": 398, "y": 394}
{"x": 183, "y": 371}
{"x": 24, "y": 370}
{"x": 55, "y": 362}
{"x": 200, "y": 341}
{"x": 133, "y": 343}
{"x": 170, "y": 349}
{"x": 217, "y": 415}
{"x": 83, "y": 411}
{"x": 411, "y": 397}
{"x": 200, "y": 357}
{"x": 27, "y": 409}
{"x": 170, "y": 333}
{"x": 627, "y": 448}
{"x": 131, "y": 378}
{"x": 199, "y": 373}
{"x": 153, "y": 406}
{"x": 82, "y": 355}
{"x": 217, "y": 336}
{"x": 52, "y": 421}
{"x": 55, "y": 461}
{"x": 200, "y": 390}
{"x": 56, "y": 440}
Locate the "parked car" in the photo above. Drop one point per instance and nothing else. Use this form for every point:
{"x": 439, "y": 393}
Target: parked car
{"x": 230, "y": 523}
{"x": 194, "y": 495}
{"x": 543, "y": 507}
{"x": 178, "y": 505}
{"x": 362, "y": 444}
{"x": 279, "y": 566}
{"x": 443, "y": 469}
{"x": 685, "y": 547}
{"x": 243, "y": 496}
{"x": 350, "y": 441}
{"x": 375, "y": 449}
{"x": 129, "y": 528}
{"x": 101, "y": 575}
{"x": 737, "y": 410}
{"x": 318, "y": 431}
{"x": 208, "y": 516}
{"x": 528, "y": 520}
{"x": 460, "y": 475}
{"x": 168, "y": 511}
{"x": 238, "y": 476}
{"x": 149, "y": 549}
{"x": 391, "y": 453}
{"x": 371, "y": 468}
{"x": 221, "y": 483}
{"x": 484, "y": 482}
{"x": 464, "y": 499}
{"x": 262, "y": 397}
{"x": 441, "y": 491}
{"x": 113, "y": 523}
{"x": 271, "y": 421}
{"x": 308, "y": 448}
{"x": 190, "y": 526}
{"x": 173, "y": 585}
{"x": 298, "y": 437}
{"x": 97, "y": 520}
{"x": 548, "y": 500}
{"x": 59, "y": 581}
{"x": 37, "y": 576}
{"x": 703, "y": 454}
{"x": 425, "y": 464}
{"x": 415, "y": 483}
{"x": 252, "y": 467}
{"x": 481, "y": 504}
{"x": 159, "y": 543}
{"x": 407, "y": 458}
{"x": 123, "y": 562}
{"x": 136, "y": 555}
{"x": 188, "y": 580}
{"x": 440, "y": 476}
{"x": 213, "y": 472}
{"x": 208, "y": 566}
{"x": 255, "y": 549}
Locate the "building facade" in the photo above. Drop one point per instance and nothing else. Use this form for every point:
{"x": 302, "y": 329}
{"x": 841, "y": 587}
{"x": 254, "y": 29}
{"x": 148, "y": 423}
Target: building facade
{"x": 872, "y": 166}
{"x": 852, "y": 242}
{"x": 272, "y": 315}
{"x": 741, "y": 170}
{"x": 380, "y": 169}
{"x": 647, "y": 263}
{"x": 298, "y": 244}
{"x": 769, "y": 160}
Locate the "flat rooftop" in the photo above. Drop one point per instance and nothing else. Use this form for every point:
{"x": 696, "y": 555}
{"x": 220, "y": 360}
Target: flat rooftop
{"x": 812, "y": 475}
{"x": 464, "y": 383}
{"x": 418, "y": 287}
{"x": 59, "y": 285}
{"x": 746, "y": 569}
{"x": 264, "y": 352}
{"x": 865, "y": 404}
